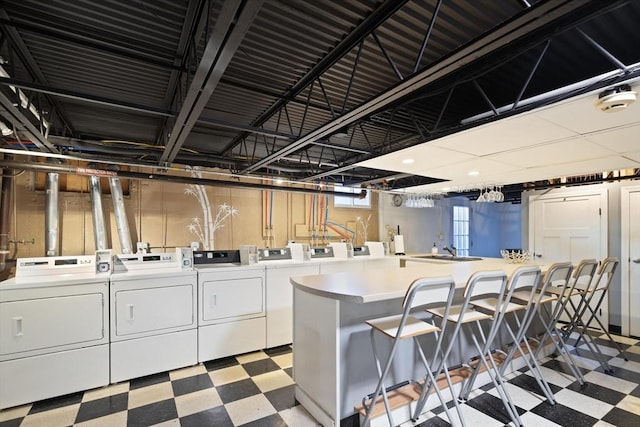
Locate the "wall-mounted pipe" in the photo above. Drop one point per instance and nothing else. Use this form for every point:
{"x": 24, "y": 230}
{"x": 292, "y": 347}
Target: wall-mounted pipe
{"x": 120, "y": 214}
{"x": 99, "y": 228}
{"x": 51, "y": 216}
{"x": 5, "y": 218}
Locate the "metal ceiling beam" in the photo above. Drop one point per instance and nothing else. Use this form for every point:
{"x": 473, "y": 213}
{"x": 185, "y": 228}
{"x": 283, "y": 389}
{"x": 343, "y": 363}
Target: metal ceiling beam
{"x": 32, "y": 65}
{"x": 102, "y": 45}
{"x": 232, "y": 24}
{"x": 192, "y": 28}
{"x": 541, "y": 15}
{"x": 146, "y": 109}
{"x": 355, "y": 37}
{"x": 22, "y": 124}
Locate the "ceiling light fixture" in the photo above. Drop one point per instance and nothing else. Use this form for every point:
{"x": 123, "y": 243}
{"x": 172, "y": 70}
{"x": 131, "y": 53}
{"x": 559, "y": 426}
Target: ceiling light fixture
{"x": 615, "y": 99}
{"x": 408, "y": 161}
{"x": 473, "y": 173}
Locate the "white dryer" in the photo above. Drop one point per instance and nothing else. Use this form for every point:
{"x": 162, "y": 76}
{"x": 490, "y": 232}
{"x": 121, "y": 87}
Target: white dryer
{"x": 54, "y": 327}
{"x": 153, "y": 302}
{"x": 231, "y": 305}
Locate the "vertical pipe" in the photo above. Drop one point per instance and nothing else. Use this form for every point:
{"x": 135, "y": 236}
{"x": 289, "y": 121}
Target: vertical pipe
{"x": 120, "y": 215}
{"x": 51, "y": 216}
{"x": 99, "y": 228}
{"x": 5, "y": 209}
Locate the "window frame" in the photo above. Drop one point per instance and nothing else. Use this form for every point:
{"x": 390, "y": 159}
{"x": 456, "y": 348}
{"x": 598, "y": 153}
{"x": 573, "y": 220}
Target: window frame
{"x": 350, "y": 202}
{"x": 461, "y": 229}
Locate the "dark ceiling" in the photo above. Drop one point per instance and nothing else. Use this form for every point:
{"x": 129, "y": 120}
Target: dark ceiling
{"x": 264, "y": 87}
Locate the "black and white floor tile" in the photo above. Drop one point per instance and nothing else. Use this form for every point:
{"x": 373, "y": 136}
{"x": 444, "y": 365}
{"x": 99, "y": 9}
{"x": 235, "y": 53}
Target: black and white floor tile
{"x": 257, "y": 390}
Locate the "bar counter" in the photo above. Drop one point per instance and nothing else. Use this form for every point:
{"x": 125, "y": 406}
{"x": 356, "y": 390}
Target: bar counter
{"x": 333, "y": 364}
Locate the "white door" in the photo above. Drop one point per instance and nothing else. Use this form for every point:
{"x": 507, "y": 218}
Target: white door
{"x": 567, "y": 228}
{"x": 630, "y": 260}
{"x": 570, "y": 225}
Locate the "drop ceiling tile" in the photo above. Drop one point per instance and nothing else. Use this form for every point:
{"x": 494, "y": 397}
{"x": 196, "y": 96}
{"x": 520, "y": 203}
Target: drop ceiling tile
{"x": 486, "y": 169}
{"x": 504, "y": 135}
{"x": 425, "y": 156}
{"x": 634, "y": 156}
{"x": 579, "y": 115}
{"x": 575, "y": 149}
{"x": 618, "y": 140}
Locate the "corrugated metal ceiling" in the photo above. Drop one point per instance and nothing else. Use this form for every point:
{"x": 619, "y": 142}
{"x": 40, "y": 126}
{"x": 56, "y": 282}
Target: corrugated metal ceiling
{"x": 122, "y": 70}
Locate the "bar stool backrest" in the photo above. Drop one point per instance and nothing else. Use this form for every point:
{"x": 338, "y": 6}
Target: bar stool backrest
{"x": 527, "y": 277}
{"x": 430, "y": 290}
{"x": 583, "y": 274}
{"x": 558, "y": 274}
{"x": 605, "y": 272}
{"x": 487, "y": 284}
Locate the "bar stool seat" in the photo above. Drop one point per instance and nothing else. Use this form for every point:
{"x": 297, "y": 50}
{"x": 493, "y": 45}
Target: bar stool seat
{"x": 390, "y": 326}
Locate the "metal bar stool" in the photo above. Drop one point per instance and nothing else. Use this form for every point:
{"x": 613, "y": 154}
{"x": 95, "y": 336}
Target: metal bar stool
{"x": 422, "y": 292}
{"x": 523, "y": 292}
{"x": 600, "y": 286}
{"x": 484, "y": 284}
{"x": 581, "y": 281}
{"x": 557, "y": 289}
{"x": 584, "y": 287}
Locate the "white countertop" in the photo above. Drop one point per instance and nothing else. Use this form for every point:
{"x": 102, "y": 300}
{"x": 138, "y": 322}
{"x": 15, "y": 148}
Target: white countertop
{"x": 385, "y": 284}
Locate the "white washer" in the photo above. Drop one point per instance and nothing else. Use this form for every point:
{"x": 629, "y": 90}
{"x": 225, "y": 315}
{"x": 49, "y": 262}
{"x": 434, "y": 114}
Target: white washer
{"x": 54, "y": 327}
{"x": 153, "y": 313}
{"x": 231, "y": 305}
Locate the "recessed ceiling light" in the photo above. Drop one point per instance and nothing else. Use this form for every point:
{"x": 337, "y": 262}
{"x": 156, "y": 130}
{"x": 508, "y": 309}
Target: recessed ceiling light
{"x": 408, "y": 161}
{"x": 473, "y": 173}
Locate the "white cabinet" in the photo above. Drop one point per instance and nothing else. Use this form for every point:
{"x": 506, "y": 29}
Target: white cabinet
{"x": 280, "y": 300}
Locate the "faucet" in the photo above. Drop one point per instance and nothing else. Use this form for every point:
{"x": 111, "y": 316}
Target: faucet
{"x": 451, "y": 250}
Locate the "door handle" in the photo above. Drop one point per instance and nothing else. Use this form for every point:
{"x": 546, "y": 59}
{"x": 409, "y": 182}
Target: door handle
{"x": 213, "y": 302}
{"x": 637, "y": 260}
{"x": 130, "y": 311}
{"x": 538, "y": 255}
{"x": 17, "y": 322}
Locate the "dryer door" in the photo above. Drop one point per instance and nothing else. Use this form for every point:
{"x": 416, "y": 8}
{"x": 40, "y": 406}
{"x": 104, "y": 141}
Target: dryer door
{"x": 233, "y": 298}
{"x": 152, "y": 310}
{"x": 50, "y": 323}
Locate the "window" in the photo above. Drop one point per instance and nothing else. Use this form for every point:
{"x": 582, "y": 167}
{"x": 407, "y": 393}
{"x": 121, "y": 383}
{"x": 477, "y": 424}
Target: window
{"x": 351, "y": 202}
{"x": 461, "y": 230}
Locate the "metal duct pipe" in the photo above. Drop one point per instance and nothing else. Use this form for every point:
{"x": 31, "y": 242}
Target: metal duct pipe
{"x": 99, "y": 228}
{"x": 5, "y": 220}
{"x": 51, "y": 216}
{"x": 121, "y": 215}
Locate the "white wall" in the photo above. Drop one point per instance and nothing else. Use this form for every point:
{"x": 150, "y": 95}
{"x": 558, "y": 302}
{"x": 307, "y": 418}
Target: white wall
{"x": 493, "y": 226}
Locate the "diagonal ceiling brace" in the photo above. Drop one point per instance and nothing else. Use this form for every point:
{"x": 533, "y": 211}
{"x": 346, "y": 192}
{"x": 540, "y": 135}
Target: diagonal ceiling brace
{"x": 232, "y": 24}
{"x": 22, "y": 124}
{"x": 383, "y": 12}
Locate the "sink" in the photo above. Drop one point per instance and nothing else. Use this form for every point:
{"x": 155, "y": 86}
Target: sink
{"x": 449, "y": 257}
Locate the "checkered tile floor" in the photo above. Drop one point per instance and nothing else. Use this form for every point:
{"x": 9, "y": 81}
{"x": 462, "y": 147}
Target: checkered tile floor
{"x": 256, "y": 389}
